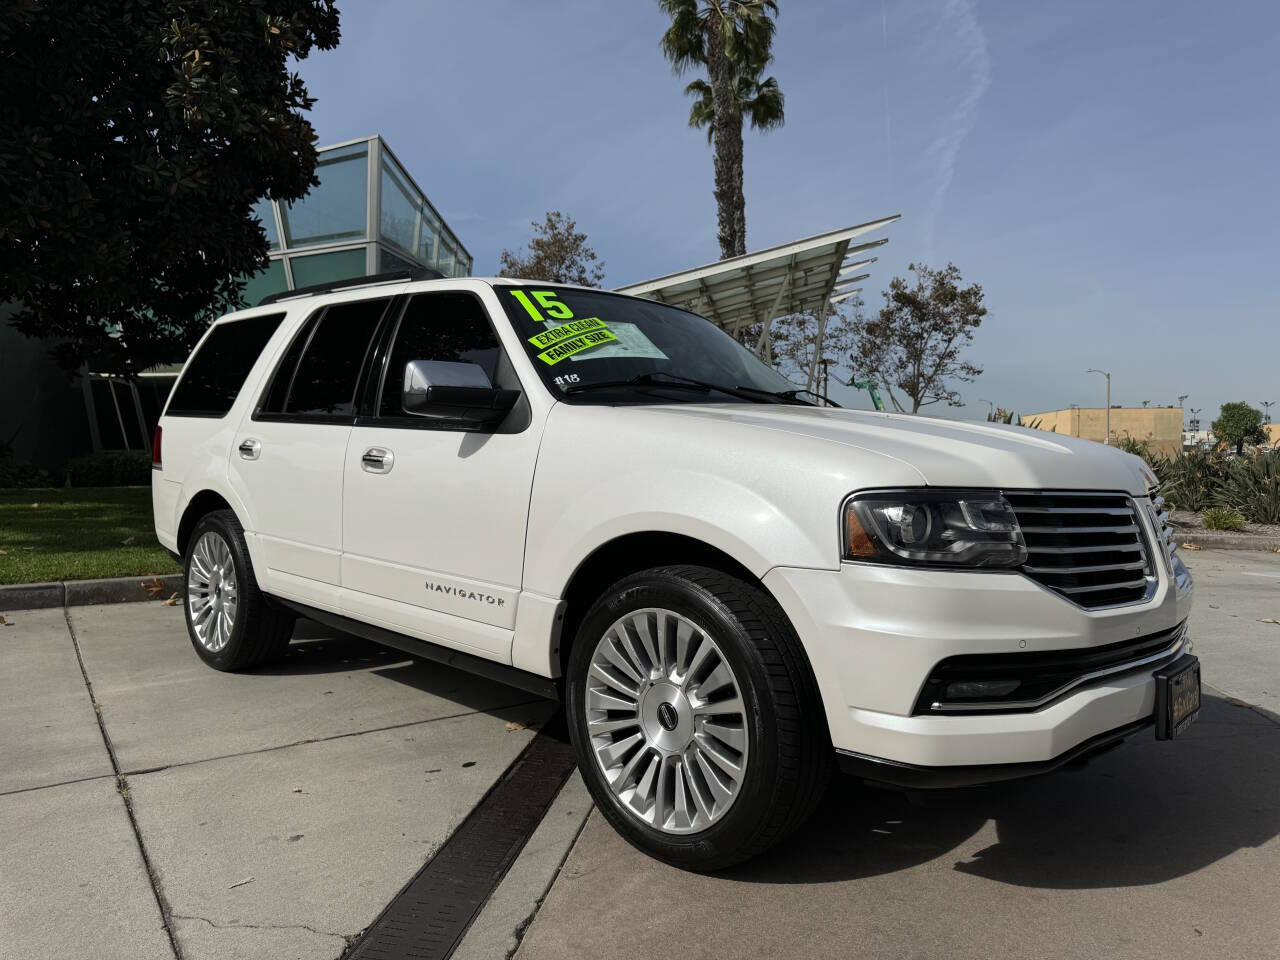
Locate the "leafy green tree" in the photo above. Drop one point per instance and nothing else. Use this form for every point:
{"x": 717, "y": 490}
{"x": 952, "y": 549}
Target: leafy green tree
{"x": 135, "y": 137}
{"x": 558, "y": 252}
{"x": 915, "y": 342}
{"x": 732, "y": 40}
{"x": 1238, "y": 424}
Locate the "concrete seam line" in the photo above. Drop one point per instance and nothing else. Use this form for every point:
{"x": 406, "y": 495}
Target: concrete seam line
{"x": 51, "y": 786}
{"x": 527, "y": 922}
{"x": 122, "y": 788}
{"x": 141, "y": 771}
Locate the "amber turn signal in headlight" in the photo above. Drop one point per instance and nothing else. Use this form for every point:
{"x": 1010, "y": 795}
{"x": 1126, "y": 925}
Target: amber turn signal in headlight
{"x": 857, "y": 542}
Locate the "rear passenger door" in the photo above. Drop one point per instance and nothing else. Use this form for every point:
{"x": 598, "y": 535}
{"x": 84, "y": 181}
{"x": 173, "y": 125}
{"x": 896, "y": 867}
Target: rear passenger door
{"x": 287, "y": 460}
{"x": 433, "y": 528}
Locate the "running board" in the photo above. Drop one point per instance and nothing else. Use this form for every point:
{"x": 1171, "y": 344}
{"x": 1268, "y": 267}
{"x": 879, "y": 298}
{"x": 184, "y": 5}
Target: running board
{"x": 489, "y": 669}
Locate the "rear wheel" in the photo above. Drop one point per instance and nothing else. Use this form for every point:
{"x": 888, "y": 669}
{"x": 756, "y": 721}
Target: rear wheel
{"x": 695, "y": 718}
{"x": 231, "y": 623}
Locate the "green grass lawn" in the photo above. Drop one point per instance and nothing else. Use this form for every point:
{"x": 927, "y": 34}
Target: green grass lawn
{"x": 78, "y": 533}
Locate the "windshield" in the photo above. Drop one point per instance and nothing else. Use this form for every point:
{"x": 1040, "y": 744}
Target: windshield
{"x": 595, "y": 347}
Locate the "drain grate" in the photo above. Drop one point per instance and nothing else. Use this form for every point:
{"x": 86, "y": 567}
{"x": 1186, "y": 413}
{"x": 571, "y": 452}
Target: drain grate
{"x": 427, "y": 919}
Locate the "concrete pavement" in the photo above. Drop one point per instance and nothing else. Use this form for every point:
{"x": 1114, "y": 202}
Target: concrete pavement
{"x": 1236, "y": 593}
{"x": 1155, "y": 850}
{"x": 279, "y": 810}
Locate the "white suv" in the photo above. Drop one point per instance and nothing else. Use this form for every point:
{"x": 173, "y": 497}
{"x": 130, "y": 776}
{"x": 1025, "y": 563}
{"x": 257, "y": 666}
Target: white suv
{"x": 609, "y": 500}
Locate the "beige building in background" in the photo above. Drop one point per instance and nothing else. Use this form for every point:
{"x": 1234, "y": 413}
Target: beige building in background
{"x": 1161, "y": 426}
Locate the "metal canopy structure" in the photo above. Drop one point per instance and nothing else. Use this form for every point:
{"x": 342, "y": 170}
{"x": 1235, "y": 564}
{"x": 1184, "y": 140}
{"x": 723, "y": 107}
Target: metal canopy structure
{"x": 757, "y": 288}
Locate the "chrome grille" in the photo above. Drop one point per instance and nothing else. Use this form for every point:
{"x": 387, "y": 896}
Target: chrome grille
{"x": 1164, "y": 530}
{"x": 1088, "y": 547}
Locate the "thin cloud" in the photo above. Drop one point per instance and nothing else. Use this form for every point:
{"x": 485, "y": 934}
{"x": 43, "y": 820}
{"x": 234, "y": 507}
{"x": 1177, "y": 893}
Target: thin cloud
{"x": 958, "y": 31}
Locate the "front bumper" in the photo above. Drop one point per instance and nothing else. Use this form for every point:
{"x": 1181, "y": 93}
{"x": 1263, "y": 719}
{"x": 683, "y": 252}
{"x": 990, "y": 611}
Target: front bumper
{"x": 873, "y": 634}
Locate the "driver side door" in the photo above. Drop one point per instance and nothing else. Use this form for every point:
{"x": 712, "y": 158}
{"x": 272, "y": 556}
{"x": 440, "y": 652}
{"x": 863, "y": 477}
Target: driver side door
{"x": 434, "y": 511}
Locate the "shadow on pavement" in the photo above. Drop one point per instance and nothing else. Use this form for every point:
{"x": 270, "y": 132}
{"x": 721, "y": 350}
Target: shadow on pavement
{"x": 318, "y": 649}
{"x": 1142, "y": 814}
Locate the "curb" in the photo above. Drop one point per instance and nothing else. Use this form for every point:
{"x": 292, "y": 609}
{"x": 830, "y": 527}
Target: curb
{"x": 78, "y": 593}
{"x": 1227, "y": 541}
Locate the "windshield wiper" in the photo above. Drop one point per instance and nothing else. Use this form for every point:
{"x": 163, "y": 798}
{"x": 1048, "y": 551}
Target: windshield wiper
{"x": 790, "y": 395}
{"x": 658, "y": 378}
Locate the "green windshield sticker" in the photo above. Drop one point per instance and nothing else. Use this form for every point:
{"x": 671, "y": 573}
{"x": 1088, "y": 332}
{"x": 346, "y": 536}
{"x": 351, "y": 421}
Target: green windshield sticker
{"x": 566, "y": 330}
{"x": 567, "y": 348}
{"x": 547, "y": 298}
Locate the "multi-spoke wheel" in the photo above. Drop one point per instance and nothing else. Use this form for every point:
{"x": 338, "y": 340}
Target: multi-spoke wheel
{"x": 212, "y": 594}
{"x": 230, "y": 621}
{"x": 666, "y": 719}
{"x": 695, "y": 716}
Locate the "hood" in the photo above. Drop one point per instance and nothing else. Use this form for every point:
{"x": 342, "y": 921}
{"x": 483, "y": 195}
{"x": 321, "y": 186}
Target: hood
{"x": 946, "y": 453}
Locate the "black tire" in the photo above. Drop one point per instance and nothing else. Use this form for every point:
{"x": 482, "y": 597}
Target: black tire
{"x": 261, "y": 630}
{"x": 790, "y": 752}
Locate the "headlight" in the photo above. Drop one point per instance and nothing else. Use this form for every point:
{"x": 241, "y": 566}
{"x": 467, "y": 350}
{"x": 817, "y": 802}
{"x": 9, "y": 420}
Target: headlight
{"x": 960, "y": 528}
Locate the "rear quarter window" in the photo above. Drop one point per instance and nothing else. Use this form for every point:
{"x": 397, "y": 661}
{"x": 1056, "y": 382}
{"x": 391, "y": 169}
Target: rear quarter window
{"x": 214, "y": 375}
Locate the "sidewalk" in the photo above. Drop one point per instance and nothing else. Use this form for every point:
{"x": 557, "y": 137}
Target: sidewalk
{"x": 278, "y": 811}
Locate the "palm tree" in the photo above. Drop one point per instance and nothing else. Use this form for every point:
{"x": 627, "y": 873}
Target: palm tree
{"x": 733, "y": 40}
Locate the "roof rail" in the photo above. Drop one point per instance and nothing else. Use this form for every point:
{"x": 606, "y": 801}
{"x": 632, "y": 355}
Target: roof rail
{"x": 417, "y": 273}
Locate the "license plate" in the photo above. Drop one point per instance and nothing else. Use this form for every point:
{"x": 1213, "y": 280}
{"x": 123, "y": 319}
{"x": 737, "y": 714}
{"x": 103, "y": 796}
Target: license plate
{"x": 1177, "y": 697}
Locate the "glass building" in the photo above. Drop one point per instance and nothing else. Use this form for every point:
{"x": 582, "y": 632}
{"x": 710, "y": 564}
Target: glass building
{"x": 366, "y": 216}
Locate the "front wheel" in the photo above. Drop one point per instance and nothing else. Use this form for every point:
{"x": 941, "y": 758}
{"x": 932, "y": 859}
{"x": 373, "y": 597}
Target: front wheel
{"x": 695, "y": 717}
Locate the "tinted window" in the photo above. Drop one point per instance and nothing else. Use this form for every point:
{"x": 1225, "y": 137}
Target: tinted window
{"x": 439, "y": 326}
{"x": 323, "y": 383}
{"x": 216, "y": 373}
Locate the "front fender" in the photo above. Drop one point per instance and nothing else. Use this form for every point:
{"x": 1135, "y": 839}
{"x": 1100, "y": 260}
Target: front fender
{"x": 765, "y": 497}
{"x": 720, "y": 512}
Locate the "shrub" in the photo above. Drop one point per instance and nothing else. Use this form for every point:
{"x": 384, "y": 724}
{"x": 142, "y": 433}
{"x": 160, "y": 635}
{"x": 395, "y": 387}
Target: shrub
{"x": 1223, "y": 518}
{"x": 1190, "y": 481}
{"x": 1252, "y": 486}
{"x": 1131, "y": 444}
{"x": 116, "y": 468}
{"x": 16, "y": 474}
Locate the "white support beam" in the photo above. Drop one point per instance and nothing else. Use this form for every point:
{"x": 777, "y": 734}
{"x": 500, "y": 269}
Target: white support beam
{"x": 764, "y": 344}
{"x": 846, "y": 295}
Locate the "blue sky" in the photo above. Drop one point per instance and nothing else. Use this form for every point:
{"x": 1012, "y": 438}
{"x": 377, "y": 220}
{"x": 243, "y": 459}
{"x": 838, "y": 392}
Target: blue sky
{"x": 1107, "y": 171}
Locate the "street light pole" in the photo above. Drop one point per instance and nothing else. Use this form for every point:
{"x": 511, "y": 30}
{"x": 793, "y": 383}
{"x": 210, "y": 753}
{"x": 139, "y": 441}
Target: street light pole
{"x": 991, "y": 408}
{"x": 826, "y": 379}
{"x": 1267, "y": 405}
{"x": 1108, "y": 376}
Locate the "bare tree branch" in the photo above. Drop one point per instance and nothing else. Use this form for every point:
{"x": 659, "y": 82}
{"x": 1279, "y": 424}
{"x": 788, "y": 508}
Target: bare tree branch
{"x": 914, "y": 342}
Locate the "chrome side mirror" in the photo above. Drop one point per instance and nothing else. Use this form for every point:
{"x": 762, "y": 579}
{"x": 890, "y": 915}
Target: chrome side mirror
{"x": 446, "y": 390}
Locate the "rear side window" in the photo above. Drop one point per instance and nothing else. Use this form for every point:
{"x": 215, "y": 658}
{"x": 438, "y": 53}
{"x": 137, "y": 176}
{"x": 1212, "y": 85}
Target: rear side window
{"x": 213, "y": 377}
{"x": 318, "y": 376}
{"x": 439, "y": 326}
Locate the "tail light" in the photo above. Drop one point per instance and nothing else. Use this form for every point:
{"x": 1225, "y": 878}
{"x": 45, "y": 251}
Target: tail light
{"x": 156, "y": 462}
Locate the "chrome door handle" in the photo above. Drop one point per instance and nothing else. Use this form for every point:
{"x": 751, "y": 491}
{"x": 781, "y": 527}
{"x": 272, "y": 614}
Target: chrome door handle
{"x": 377, "y": 460}
{"x": 250, "y": 449}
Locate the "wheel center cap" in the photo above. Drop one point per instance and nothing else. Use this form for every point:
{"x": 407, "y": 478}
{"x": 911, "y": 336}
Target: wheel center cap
{"x": 667, "y": 716}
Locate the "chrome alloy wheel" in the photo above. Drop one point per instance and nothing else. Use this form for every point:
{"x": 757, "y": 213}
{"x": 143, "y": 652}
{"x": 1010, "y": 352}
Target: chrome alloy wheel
{"x": 666, "y": 720}
{"x": 213, "y": 596}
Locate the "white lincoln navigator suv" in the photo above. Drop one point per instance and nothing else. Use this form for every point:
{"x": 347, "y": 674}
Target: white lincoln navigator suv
{"x": 610, "y": 501}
